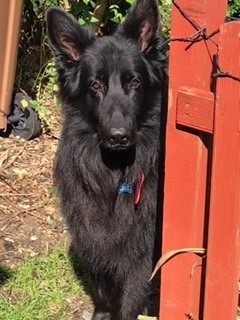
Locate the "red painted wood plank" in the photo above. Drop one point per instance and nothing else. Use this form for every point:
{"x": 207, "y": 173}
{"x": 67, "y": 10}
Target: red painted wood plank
{"x": 186, "y": 163}
{"x": 195, "y": 109}
{"x": 223, "y": 257}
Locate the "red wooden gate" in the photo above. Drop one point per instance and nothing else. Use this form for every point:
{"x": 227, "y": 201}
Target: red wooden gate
{"x": 202, "y": 166}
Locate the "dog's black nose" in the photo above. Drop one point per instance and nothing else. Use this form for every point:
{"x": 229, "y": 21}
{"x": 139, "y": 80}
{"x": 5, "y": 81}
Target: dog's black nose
{"x": 118, "y": 135}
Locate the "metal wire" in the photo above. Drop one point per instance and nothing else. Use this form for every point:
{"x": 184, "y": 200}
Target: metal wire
{"x": 201, "y": 35}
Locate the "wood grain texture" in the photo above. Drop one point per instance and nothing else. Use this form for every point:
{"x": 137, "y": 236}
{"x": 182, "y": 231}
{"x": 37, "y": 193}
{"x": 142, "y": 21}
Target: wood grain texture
{"x": 186, "y": 164}
{"x": 195, "y": 109}
{"x": 223, "y": 257}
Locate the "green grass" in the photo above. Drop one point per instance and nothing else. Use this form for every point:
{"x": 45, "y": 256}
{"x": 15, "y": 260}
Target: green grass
{"x": 41, "y": 288}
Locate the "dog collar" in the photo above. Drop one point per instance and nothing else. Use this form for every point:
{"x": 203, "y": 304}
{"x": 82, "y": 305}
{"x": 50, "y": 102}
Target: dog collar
{"x": 124, "y": 188}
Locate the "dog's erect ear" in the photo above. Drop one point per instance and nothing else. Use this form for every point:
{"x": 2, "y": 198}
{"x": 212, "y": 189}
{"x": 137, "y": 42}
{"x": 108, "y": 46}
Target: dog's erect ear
{"x": 66, "y": 37}
{"x": 142, "y": 23}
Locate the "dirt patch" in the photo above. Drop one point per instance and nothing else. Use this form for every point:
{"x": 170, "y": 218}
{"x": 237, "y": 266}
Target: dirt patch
{"x": 30, "y": 222}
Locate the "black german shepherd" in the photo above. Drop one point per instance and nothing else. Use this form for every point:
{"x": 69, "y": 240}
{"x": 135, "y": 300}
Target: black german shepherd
{"x": 107, "y": 163}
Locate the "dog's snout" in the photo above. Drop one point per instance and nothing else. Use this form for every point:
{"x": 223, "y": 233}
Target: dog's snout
{"x": 118, "y": 135}
{"x": 118, "y": 131}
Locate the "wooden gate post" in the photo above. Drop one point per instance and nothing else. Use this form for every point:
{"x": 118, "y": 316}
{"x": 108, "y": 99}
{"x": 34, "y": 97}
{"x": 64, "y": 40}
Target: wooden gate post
{"x": 223, "y": 252}
{"x": 186, "y": 159}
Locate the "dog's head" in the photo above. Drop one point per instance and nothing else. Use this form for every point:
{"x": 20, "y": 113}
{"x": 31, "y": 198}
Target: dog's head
{"x": 112, "y": 82}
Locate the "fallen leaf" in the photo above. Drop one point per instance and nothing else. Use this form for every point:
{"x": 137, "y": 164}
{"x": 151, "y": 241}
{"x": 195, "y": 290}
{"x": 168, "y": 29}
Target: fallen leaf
{"x": 146, "y": 318}
{"x": 33, "y": 238}
{"x": 50, "y": 209}
{"x": 20, "y": 172}
{"x": 170, "y": 254}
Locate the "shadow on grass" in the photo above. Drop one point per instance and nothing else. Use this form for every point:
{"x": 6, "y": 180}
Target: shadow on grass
{"x": 5, "y": 275}
{"x": 80, "y": 270}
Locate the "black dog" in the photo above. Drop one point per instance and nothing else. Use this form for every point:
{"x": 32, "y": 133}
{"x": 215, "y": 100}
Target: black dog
{"x": 107, "y": 162}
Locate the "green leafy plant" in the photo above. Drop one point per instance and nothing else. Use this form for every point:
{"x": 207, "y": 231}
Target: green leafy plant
{"x": 165, "y": 11}
{"x": 115, "y": 14}
{"x": 234, "y": 8}
{"x": 83, "y": 10}
{"x": 46, "y": 90}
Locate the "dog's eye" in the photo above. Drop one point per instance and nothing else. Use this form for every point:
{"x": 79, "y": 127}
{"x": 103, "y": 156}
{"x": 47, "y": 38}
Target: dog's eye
{"x": 135, "y": 83}
{"x": 96, "y": 86}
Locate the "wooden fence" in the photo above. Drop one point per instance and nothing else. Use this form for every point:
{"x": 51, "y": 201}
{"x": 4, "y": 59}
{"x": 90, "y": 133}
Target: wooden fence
{"x": 202, "y": 166}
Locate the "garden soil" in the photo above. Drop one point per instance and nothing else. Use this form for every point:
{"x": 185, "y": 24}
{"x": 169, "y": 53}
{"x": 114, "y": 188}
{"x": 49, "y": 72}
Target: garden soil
{"x": 30, "y": 222}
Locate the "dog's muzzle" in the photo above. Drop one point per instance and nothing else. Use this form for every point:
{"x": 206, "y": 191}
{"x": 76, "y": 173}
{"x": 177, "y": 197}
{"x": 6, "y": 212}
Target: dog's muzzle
{"x": 118, "y": 139}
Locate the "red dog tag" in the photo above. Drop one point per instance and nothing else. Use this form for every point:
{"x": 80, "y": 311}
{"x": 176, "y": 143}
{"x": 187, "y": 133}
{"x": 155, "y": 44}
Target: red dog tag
{"x": 138, "y": 190}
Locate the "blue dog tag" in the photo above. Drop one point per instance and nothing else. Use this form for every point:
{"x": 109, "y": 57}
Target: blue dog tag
{"x": 124, "y": 188}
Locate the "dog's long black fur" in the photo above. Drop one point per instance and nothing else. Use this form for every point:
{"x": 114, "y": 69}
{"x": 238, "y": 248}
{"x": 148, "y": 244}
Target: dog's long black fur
{"x": 111, "y": 91}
